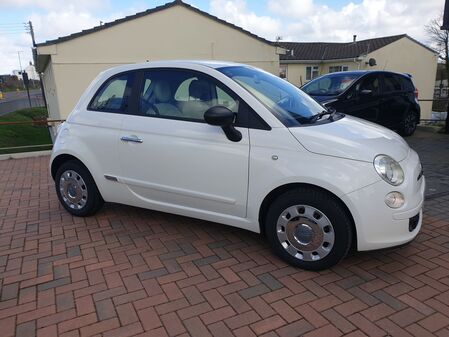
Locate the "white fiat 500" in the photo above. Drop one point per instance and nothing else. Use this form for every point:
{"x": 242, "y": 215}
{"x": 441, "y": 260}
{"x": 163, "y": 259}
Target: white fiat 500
{"x": 233, "y": 144}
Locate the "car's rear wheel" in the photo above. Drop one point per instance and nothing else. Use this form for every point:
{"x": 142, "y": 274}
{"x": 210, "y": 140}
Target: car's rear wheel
{"x": 408, "y": 124}
{"x": 76, "y": 189}
{"x": 309, "y": 228}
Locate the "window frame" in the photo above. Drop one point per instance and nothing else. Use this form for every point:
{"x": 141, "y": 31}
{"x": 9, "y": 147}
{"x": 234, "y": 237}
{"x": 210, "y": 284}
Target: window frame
{"x": 129, "y": 83}
{"x": 246, "y": 116}
{"x": 339, "y": 67}
{"x": 312, "y": 69}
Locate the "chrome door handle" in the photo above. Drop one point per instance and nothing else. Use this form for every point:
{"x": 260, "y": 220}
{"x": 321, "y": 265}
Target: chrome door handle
{"x": 132, "y": 138}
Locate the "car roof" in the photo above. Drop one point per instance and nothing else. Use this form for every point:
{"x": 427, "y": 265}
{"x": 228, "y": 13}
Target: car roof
{"x": 173, "y": 64}
{"x": 365, "y": 72}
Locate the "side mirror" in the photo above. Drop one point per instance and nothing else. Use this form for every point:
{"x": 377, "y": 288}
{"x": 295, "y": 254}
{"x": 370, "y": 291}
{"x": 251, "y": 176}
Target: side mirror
{"x": 223, "y": 117}
{"x": 366, "y": 92}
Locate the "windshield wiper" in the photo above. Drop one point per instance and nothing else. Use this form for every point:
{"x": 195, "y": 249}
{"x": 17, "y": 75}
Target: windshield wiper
{"x": 330, "y": 111}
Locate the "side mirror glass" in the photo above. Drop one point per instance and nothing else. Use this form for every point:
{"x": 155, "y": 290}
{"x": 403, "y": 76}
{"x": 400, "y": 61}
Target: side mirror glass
{"x": 223, "y": 117}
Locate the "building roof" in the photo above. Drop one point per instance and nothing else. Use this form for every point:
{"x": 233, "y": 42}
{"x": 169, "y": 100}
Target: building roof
{"x": 148, "y": 12}
{"x": 319, "y": 51}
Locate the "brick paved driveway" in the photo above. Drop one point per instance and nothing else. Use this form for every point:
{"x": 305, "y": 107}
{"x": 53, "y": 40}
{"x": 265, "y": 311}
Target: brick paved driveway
{"x": 130, "y": 271}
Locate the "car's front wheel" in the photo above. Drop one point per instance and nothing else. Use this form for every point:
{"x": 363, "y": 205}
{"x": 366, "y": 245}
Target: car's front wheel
{"x": 309, "y": 228}
{"x": 76, "y": 189}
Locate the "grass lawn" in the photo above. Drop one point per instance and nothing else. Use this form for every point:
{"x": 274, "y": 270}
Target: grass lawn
{"x": 23, "y": 134}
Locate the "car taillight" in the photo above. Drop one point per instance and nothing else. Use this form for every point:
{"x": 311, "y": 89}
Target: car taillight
{"x": 416, "y": 93}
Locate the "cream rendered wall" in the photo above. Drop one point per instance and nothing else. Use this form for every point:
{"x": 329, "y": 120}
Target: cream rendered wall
{"x": 50, "y": 92}
{"x": 406, "y": 56}
{"x": 173, "y": 33}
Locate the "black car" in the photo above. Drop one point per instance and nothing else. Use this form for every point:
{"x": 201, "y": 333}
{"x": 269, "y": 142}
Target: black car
{"x": 383, "y": 97}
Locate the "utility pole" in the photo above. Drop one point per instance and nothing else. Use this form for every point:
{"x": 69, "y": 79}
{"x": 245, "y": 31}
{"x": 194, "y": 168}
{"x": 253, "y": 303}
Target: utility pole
{"x": 34, "y": 51}
{"x": 20, "y": 62}
{"x": 20, "y": 66}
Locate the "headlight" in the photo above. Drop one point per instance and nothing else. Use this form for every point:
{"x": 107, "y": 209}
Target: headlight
{"x": 389, "y": 169}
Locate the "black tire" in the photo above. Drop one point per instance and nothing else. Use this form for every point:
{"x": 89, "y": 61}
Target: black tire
{"x": 326, "y": 204}
{"x": 93, "y": 201}
{"x": 408, "y": 124}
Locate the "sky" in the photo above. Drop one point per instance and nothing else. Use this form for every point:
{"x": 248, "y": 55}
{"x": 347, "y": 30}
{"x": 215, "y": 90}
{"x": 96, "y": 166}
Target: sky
{"x": 292, "y": 20}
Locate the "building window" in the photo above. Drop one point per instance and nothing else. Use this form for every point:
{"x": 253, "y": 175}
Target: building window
{"x": 283, "y": 71}
{"x": 312, "y": 72}
{"x": 334, "y": 69}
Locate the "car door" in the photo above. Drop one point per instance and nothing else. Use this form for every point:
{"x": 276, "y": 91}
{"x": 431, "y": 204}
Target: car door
{"x": 394, "y": 103}
{"x": 98, "y": 128}
{"x": 362, "y": 100}
{"x": 171, "y": 159}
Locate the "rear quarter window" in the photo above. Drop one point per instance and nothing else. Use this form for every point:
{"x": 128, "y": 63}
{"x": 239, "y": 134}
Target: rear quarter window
{"x": 407, "y": 83}
{"x": 392, "y": 83}
{"x": 114, "y": 94}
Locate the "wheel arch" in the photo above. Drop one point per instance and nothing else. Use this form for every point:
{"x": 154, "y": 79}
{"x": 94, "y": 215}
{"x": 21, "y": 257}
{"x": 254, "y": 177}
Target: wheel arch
{"x": 61, "y": 159}
{"x": 270, "y": 197}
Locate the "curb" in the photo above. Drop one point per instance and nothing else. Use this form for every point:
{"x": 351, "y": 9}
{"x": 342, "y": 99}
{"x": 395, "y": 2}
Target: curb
{"x": 25, "y": 155}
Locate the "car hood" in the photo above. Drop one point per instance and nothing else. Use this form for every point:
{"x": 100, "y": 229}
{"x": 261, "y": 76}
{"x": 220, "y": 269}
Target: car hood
{"x": 351, "y": 138}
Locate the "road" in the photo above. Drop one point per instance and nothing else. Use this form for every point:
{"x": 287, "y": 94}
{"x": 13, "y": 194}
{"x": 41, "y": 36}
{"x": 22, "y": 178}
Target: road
{"x": 16, "y": 100}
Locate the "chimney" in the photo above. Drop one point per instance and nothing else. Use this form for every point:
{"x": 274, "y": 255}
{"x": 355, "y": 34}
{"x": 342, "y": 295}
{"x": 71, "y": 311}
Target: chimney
{"x": 354, "y": 37}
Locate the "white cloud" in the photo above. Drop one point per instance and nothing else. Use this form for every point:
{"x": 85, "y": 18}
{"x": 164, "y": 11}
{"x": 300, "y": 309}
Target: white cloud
{"x": 50, "y": 25}
{"x": 293, "y": 8}
{"x": 305, "y": 20}
{"x": 236, "y": 12}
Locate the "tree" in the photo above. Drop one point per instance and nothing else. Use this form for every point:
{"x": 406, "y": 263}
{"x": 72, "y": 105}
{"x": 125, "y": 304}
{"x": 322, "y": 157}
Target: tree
{"x": 440, "y": 39}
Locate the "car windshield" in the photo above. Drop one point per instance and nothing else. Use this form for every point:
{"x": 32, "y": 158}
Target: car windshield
{"x": 330, "y": 85}
{"x": 283, "y": 99}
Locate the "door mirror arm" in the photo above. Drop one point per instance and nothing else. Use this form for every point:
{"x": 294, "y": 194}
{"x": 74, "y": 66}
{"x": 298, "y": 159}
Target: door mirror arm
{"x": 223, "y": 117}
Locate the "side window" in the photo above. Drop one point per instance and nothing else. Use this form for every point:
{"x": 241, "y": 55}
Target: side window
{"x": 391, "y": 83}
{"x": 113, "y": 95}
{"x": 182, "y": 94}
{"x": 407, "y": 84}
{"x": 369, "y": 83}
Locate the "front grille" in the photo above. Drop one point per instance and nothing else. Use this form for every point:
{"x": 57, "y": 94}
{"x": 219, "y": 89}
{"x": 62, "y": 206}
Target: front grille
{"x": 413, "y": 223}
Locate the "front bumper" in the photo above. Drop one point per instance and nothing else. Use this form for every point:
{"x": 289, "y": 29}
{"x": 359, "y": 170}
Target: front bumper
{"x": 379, "y": 226}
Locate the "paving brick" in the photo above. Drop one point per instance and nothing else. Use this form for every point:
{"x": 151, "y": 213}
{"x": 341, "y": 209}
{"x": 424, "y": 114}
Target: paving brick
{"x": 149, "y": 319}
{"x": 173, "y": 324}
{"x": 7, "y": 326}
{"x": 435, "y": 322}
{"x": 105, "y": 309}
{"x": 217, "y": 315}
{"x": 84, "y": 305}
{"x": 406, "y": 317}
{"x": 242, "y": 319}
{"x": 196, "y": 328}
{"x": 77, "y": 322}
{"x": 125, "y": 331}
{"x": 98, "y": 328}
{"x": 126, "y": 314}
{"x": 27, "y": 329}
{"x": 146, "y": 273}
{"x": 268, "y": 324}
{"x": 377, "y": 312}
{"x": 297, "y": 328}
